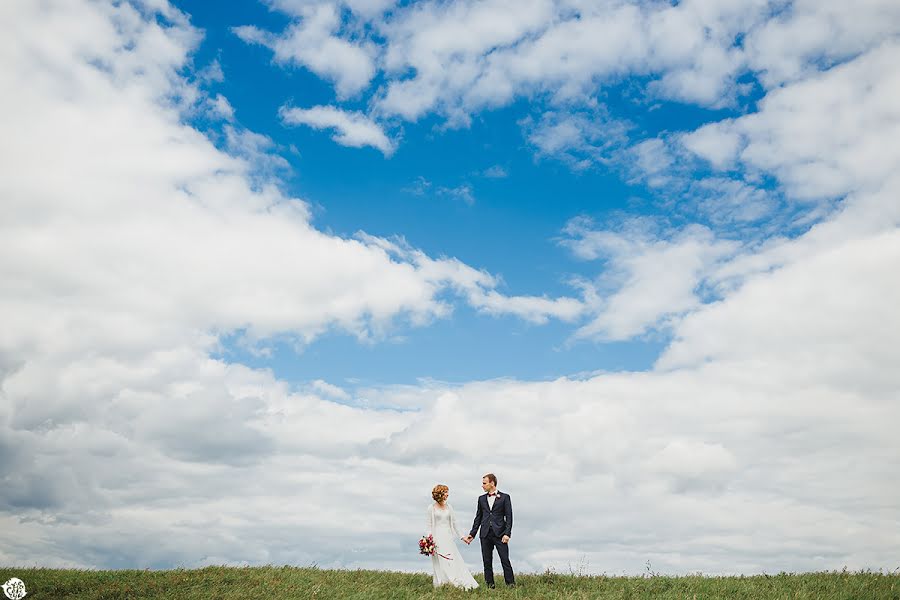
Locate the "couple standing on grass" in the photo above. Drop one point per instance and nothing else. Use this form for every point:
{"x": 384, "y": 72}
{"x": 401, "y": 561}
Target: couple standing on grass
{"x": 493, "y": 516}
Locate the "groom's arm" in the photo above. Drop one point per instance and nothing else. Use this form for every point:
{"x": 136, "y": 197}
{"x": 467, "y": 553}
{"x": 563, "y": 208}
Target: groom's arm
{"x": 507, "y": 511}
{"x": 477, "y": 523}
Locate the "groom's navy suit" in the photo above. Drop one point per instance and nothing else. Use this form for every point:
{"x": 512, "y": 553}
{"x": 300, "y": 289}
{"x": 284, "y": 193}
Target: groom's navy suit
{"x": 494, "y": 523}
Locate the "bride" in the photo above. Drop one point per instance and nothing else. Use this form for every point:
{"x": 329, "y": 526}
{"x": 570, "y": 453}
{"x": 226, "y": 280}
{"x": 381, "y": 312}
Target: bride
{"x": 440, "y": 522}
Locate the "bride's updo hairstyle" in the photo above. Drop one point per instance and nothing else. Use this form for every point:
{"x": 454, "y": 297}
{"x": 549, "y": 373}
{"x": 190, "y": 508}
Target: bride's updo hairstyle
{"x": 439, "y": 493}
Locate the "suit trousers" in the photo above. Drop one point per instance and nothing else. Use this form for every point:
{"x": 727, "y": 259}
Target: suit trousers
{"x": 488, "y": 543}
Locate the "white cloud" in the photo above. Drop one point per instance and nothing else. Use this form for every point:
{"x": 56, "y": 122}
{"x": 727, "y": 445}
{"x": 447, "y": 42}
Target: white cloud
{"x": 160, "y": 242}
{"x": 328, "y": 390}
{"x": 314, "y": 42}
{"x": 735, "y": 202}
{"x": 478, "y": 286}
{"x": 461, "y": 192}
{"x": 364, "y": 8}
{"x": 814, "y": 34}
{"x": 649, "y": 279}
{"x": 447, "y": 44}
{"x": 352, "y": 129}
{"x": 828, "y": 140}
{"x": 692, "y": 48}
{"x": 580, "y": 139}
{"x": 728, "y": 202}
{"x": 257, "y": 150}
{"x": 418, "y": 187}
{"x": 652, "y": 160}
{"x": 715, "y": 143}
{"x": 765, "y": 439}
{"x": 687, "y": 465}
{"x": 457, "y": 58}
{"x": 466, "y": 55}
{"x": 220, "y": 107}
{"x": 150, "y": 222}
{"x": 531, "y": 308}
{"x": 818, "y": 310}
{"x": 495, "y": 172}
{"x": 823, "y": 136}
{"x": 734, "y": 466}
{"x": 211, "y": 73}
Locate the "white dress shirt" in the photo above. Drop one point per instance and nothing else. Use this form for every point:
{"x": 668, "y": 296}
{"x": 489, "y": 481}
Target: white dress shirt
{"x": 491, "y": 500}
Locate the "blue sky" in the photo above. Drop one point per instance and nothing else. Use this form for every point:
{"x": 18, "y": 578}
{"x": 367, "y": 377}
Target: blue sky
{"x": 344, "y": 250}
{"x": 511, "y": 229}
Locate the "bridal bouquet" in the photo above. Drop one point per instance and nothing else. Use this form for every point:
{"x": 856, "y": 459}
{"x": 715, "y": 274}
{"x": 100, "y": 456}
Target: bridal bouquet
{"x": 427, "y": 547}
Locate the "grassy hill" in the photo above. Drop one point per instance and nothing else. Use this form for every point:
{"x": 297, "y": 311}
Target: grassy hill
{"x": 282, "y": 583}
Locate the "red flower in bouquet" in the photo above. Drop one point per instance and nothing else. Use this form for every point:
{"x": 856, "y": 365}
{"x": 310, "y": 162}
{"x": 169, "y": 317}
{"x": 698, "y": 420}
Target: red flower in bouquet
{"x": 428, "y": 547}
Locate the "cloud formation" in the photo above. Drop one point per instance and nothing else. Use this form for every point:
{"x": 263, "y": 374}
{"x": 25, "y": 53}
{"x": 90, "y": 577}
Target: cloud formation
{"x": 648, "y": 277}
{"x": 314, "y": 42}
{"x": 351, "y": 128}
{"x": 763, "y": 440}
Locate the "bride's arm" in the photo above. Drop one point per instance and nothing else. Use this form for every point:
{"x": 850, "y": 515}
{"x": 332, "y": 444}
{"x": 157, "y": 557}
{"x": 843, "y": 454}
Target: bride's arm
{"x": 453, "y": 522}
{"x": 429, "y": 521}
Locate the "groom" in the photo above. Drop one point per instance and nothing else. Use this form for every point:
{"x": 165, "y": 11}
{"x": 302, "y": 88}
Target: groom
{"x": 494, "y": 517}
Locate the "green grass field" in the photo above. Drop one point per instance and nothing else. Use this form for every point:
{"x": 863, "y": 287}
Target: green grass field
{"x": 282, "y": 583}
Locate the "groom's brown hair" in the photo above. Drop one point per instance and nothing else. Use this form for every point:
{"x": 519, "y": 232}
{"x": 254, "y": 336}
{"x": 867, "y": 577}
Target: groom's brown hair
{"x": 492, "y": 478}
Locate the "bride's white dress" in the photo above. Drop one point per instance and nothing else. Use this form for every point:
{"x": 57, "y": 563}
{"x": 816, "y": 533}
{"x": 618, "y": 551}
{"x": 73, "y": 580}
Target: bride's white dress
{"x": 441, "y": 524}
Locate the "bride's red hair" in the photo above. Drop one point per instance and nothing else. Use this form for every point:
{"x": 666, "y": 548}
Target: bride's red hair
{"x": 439, "y": 492}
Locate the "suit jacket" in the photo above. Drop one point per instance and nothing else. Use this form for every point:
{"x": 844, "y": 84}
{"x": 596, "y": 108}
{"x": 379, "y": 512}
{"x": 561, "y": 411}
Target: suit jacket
{"x": 500, "y": 518}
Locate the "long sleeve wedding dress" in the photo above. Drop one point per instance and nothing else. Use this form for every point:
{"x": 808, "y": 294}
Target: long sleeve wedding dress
{"x": 449, "y": 568}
